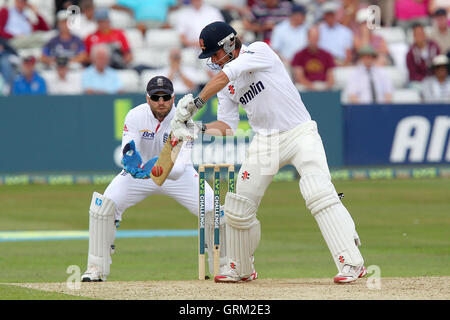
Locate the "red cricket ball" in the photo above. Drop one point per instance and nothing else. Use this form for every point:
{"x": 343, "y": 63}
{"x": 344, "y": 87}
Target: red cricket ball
{"x": 157, "y": 171}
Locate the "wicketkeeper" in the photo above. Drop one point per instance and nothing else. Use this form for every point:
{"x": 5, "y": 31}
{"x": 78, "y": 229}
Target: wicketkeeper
{"x": 146, "y": 129}
{"x": 254, "y": 77}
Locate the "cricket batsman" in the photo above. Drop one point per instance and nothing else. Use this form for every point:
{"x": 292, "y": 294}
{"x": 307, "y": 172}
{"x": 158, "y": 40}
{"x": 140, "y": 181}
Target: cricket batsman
{"x": 254, "y": 77}
{"x": 146, "y": 129}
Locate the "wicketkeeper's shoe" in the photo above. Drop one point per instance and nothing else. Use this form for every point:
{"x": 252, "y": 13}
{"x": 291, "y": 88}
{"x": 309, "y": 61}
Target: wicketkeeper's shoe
{"x": 92, "y": 275}
{"x": 350, "y": 273}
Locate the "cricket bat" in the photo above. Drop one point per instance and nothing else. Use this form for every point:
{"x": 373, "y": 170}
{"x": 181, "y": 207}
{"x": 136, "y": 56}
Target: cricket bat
{"x": 166, "y": 159}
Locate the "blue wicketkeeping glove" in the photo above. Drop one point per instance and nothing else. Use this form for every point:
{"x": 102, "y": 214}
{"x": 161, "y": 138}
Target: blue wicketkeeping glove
{"x": 144, "y": 172}
{"x": 131, "y": 160}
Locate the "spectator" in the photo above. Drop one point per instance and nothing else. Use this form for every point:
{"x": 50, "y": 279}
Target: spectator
{"x": 420, "y": 55}
{"x": 63, "y": 81}
{"x": 99, "y": 78}
{"x": 185, "y": 79}
{"x": 193, "y": 19}
{"x": 363, "y": 36}
{"x": 387, "y": 12}
{"x": 29, "y": 82}
{"x": 334, "y": 37}
{"x": 2, "y": 86}
{"x": 64, "y": 44}
{"x": 441, "y": 31}
{"x": 290, "y": 35}
{"x": 315, "y": 8}
{"x": 234, "y": 9}
{"x": 411, "y": 12}
{"x": 87, "y": 20}
{"x": 119, "y": 48}
{"x": 368, "y": 84}
{"x": 436, "y": 88}
{"x": 8, "y": 58}
{"x": 64, "y": 4}
{"x": 16, "y": 25}
{"x": 147, "y": 14}
{"x": 347, "y": 13}
{"x": 440, "y": 4}
{"x": 265, "y": 15}
{"x": 313, "y": 67}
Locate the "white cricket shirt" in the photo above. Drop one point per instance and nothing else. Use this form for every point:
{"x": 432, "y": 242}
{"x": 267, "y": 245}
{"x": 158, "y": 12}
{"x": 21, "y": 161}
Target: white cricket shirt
{"x": 260, "y": 83}
{"x": 150, "y": 135}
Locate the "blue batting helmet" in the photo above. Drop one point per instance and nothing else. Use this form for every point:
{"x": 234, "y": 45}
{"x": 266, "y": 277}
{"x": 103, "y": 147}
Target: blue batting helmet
{"x": 215, "y": 36}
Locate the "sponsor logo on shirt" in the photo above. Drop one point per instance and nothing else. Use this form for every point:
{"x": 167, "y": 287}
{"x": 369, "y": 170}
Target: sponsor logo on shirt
{"x": 148, "y": 135}
{"x": 254, "y": 90}
{"x": 314, "y": 66}
{"x": 231, "y": 89}
{"x": 165, "y": 137}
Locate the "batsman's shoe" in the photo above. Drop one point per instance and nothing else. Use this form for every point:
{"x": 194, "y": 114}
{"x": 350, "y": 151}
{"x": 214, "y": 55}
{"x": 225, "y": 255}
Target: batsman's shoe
{"x": 92, "y": 275}
{"x": 350, "y": 273}
{"x": 254, "y": 274}
{"x": 228, "y": 274}
{"x": 251, "y": 277}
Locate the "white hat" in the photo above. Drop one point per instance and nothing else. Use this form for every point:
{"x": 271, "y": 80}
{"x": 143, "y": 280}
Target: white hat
{"x": 440, "y": 60}
{"x": 329, "y": 6}
{"x": 362, "y": 15}
{"x": 62, "y": 15}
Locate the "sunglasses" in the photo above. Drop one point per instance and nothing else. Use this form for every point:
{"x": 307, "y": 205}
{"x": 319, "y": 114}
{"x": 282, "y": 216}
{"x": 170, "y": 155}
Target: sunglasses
{"x": 155, "y": 97}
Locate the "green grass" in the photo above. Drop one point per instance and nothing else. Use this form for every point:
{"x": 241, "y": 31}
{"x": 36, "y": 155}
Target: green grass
{"x": 18, "y": 293}
{"x": 403, "y": 224}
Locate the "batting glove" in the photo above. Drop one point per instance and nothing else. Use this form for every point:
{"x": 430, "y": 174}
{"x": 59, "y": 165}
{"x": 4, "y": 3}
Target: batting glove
{"x": 184, "y": 130}
{"x": 185, "y": 108}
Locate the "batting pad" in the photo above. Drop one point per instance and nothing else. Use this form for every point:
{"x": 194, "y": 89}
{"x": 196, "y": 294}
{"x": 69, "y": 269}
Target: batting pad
{"x": 243, "y": 232}
{"x": 101, "y": 232}
{"x": 335, "y": 222}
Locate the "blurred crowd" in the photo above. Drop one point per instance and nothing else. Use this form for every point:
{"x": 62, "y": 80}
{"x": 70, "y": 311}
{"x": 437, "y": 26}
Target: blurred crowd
{"x": 390, "y": 51}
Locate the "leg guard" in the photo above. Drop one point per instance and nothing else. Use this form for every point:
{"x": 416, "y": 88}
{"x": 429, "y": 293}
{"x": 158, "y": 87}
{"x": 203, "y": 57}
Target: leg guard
{"x": 209, "y": 239}
{"x": 101, "y": 233}
{"x": 335, "y": 222}
{"x": 243, "y": 233}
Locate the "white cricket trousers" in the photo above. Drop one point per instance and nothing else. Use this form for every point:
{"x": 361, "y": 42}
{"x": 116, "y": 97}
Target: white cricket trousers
{"x": 301, "y": 147}
{"x": 126, "y": 191}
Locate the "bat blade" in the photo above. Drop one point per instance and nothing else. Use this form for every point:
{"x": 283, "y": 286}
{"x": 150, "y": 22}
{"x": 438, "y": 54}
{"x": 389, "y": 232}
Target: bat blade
{"x": 167, "y": 158}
